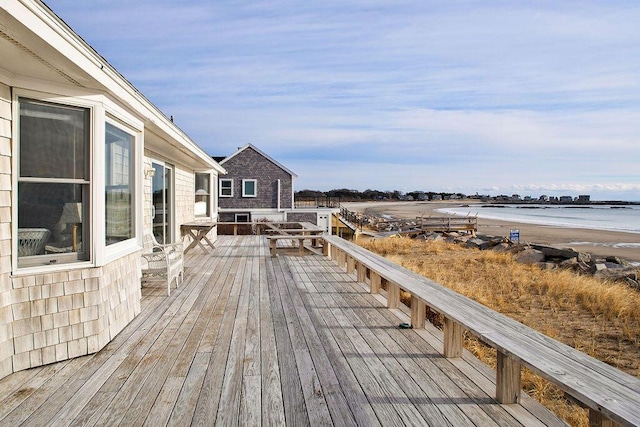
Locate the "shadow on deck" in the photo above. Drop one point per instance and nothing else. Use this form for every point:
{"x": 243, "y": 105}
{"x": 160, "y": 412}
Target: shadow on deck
{"x": 247, "y": 340}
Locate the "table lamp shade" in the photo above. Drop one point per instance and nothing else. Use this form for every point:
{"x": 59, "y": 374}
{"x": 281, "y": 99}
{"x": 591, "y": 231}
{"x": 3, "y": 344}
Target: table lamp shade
{"x": 72, "y": 213}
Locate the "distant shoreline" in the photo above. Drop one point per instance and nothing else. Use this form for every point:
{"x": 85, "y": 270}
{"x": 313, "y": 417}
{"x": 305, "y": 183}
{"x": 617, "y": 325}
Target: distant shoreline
{"x": 622, "y": 244}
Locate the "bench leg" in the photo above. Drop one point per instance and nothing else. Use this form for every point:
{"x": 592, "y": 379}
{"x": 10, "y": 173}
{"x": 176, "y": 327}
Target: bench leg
{"x": 272, "y": 247}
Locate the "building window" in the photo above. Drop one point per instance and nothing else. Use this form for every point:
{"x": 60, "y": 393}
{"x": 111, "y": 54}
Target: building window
{"x": 249, "y": 188}
{"x": 203, "y": 199}
{"x": 119, "y": 185}
{"x": 226, "y": 188}
{"x": 53, "y": 183}
{"x": 243, "y": 217}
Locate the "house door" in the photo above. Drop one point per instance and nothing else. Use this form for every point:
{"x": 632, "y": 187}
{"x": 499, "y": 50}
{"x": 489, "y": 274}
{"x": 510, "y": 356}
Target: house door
{"x": 162, "y": 199}
{"x": 324, "y": 221}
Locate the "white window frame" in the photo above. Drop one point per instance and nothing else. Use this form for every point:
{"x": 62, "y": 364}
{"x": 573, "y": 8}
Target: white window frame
{"x": 255, "y": 188}
{"x": 209, "y": 191}
{"x": 101, "y": 110}
{"x": 222, "y": 180}
{"x": 50, "y": 262}
{"x": 238, "y": 215}
{"x": 116, "y": 250}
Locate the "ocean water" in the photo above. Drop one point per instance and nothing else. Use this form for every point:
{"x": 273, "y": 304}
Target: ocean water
{"x": 597, "y": 217}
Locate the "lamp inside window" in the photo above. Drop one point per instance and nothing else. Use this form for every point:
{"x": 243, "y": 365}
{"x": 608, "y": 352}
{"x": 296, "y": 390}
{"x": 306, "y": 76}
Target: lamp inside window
{"x": 202, "y": 196}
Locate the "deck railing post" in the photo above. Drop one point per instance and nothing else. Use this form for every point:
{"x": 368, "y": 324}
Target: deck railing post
{"x": 362, "y": 272}
{"x": 393, "y": 295}
{"x": 351, "y": 264}
{"x": 452, "y": 338}
{"x": 376, "y": 282}
{"x": 597, "y": 419}
{"x": 418, "y": 312}
{"x": 507, "y": 379}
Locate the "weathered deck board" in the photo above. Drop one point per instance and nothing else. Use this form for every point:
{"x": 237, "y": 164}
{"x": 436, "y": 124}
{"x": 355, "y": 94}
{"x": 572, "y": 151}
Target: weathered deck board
{"x": 252, "y": 340}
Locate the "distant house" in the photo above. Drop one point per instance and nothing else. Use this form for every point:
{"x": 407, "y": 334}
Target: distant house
{"x": 257, "y": 187}
{"x": 89, "y": 167}
{"x": 566, "y": 199}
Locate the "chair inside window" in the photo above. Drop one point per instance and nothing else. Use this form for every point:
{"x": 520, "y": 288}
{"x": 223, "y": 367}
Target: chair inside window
{"x": 31, "y": 241}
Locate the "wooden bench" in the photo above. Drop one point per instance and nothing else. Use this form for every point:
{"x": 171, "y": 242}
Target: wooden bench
{"x": 610, "y": 394}
{"x": 300, "y": 238}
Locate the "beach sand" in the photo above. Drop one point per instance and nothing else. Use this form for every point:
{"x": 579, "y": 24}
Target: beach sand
{"x": 597, "y": 242}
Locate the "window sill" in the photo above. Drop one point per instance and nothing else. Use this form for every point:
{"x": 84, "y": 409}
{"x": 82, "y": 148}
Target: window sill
{"x": 51, "y": 268}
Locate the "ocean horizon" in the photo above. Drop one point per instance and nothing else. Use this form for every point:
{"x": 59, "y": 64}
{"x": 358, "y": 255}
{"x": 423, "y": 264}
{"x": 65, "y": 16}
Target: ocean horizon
{"x": 624, "y": 218}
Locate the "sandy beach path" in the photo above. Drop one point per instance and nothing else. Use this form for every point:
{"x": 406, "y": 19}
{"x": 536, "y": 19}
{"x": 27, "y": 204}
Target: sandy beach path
{"x": 598, "y": 242}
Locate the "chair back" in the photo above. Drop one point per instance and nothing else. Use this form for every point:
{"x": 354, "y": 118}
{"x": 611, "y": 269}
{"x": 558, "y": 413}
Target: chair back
{"x": 31, "y": 241}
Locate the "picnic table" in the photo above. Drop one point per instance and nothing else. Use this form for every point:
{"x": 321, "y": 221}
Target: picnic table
{"x": 197, "y": 231}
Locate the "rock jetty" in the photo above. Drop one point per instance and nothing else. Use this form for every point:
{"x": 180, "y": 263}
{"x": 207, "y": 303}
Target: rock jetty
{"x": 548, "y": 257}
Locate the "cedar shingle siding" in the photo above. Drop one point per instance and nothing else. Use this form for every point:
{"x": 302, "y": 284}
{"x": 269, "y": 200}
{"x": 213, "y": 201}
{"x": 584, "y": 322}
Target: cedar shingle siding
{"x": 249, "y": 164}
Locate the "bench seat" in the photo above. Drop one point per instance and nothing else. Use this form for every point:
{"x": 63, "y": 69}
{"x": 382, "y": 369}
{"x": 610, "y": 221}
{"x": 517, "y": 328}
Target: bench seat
{"x": 603, "y": 388}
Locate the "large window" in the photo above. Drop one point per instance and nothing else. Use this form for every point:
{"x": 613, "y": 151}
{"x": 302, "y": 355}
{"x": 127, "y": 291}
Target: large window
{"x": 226, "y": 188}
{"x": 119, "y": 185}
{"x": 249, "y": 188}
{"x": 53, "y": 183}
{"x": 202, "y": 195}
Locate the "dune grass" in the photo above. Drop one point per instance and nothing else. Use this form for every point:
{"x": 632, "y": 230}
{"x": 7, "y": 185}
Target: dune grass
{"x": 598, "y": 318}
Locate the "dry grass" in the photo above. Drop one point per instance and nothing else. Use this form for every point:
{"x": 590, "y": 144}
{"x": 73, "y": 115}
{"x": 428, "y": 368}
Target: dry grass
{"x": 600, "y": 319}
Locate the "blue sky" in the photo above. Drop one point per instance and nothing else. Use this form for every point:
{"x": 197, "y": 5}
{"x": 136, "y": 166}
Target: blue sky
{"x": 494, "y": 97}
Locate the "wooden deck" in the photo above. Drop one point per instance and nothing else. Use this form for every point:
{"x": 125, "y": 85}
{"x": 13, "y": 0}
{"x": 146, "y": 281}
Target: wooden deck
{"x": 248, "y": 340}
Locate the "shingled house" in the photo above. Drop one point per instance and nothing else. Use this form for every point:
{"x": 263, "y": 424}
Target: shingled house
{"x": 257, "y": 187}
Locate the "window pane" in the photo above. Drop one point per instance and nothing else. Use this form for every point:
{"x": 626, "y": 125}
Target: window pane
{"x": 226, "y": 187}
{"x": 51, "y": 221}
{"x": 53, "y": 141}
{"x": 202, "y": 195}
{"x": 119, "y": 172}
{"x": 249, "y": 188}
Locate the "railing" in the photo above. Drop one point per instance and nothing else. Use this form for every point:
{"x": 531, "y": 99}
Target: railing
{"x": 609, "y": 393}
{"x": 447, "y": 223}
{"x": 317, "y": 202}
{"x": 354, "y": 218}
{"x": 259, "y": 227}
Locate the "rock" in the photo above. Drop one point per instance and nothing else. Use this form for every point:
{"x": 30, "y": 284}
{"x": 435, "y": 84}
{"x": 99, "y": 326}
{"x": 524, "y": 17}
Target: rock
{"x": 633, "y": 284}
{"x": 584, "y": 267}
{"x": 584, "y": 257}
{"x": 619, "y": 261}
{"x": 490, "y": 243}
{"x": 435, "y": 237}
{"x": 551, "y": 252}
{"x": 571, "y": 263}
{"x": 518, "y": 248}
{"x": 529, "y": 256}
{"x": 618, "y": 274}
{"x": 547, "y": 265}
{"x": 474, "y": 242}
{"x": 502, "y": 247}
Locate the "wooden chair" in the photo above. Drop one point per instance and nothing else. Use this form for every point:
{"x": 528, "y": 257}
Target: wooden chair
{"x": 31, "y": 241}
{"x": 163, "y": 262}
